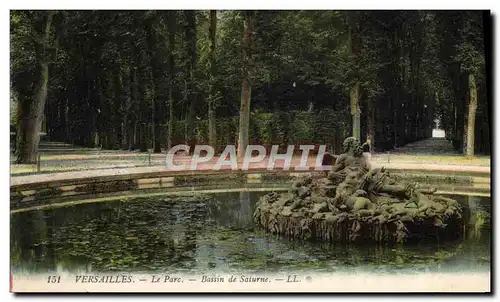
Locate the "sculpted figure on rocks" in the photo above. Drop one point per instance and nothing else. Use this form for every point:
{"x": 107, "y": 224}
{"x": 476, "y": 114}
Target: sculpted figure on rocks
{"x": 355, "y": 201}
{"x": 359, "y": 186}
{"x": 352, "y": 160}
{"x": 348, "y": 172}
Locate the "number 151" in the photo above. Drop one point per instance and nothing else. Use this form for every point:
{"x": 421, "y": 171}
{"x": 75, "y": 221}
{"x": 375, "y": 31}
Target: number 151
{"x": 54, "y": 279}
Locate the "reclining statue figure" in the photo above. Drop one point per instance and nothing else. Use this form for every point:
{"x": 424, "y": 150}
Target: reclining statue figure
{"x": 358, "y": 186}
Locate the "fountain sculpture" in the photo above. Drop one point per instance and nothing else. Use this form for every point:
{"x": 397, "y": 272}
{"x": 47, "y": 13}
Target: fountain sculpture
{"x": 355, "y": 203}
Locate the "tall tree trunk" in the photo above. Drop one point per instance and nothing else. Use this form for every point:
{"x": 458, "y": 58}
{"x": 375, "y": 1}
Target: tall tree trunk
{"x": 125, "y": 119}
{"x": 103, "y": 117}
{"x": 142, "y": 137}
{"x": 137, "y": 93}
{"x": 170, "y": 127}
{"x": 156, "y": 145}
{"x": 155, "y": 76}
{"x": 245, "y": 86}
{"x": 354, "y": 43}
{"x": 134, "y": 95}
{"x": 31, "y": 110}
{"x": 134, "y": 144}
{"x": 190, "y": 32}
{"x": 212, "y": 136}
{"x": 171, "y": 24}
{"x": 370, "y": 137}
{"x": 170, "y": 105}
{"x": 355, "y": 110}
{"x": 471, "y": 120}
{"x": 396, "y": 89}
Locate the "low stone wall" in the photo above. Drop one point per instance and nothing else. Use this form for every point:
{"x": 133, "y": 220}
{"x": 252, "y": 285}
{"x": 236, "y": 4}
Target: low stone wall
{"x": 48, "y": 192}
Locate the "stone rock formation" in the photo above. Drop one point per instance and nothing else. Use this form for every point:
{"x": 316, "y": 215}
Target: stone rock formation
{"x": 355, "y": 203}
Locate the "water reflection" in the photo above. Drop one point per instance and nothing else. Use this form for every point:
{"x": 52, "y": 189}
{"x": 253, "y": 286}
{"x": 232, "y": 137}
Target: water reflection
{"x": 200, "y": 235}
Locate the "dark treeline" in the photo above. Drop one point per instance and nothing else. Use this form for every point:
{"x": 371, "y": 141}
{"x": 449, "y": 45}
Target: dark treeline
{"x": 141, "y": 80}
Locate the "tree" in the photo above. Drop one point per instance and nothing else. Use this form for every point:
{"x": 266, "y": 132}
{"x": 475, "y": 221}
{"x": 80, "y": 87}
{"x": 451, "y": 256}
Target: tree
{"x": 212, "y": 70}
{"x": 470, "y": 55}
{"x": 191, "y": 97}
{"x": 136, "y": 79}
{"x": 171, "y": 27}
{"x": 37, "y": 28}
{"x": 354, "y": 48}
{"x": 246, "y": 87}
{"x": 155, "y": 56}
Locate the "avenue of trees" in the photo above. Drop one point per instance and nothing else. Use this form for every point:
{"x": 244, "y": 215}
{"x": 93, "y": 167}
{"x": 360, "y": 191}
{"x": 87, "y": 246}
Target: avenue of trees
{"x": 140, "y": 80}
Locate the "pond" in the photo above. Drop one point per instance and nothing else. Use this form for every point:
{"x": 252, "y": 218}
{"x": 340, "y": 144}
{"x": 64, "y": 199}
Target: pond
{"x": 212, "y": 234}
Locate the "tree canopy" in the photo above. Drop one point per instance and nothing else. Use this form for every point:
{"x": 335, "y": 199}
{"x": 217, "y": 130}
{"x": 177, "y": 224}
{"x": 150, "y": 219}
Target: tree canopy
{"x": 152, "y": 79}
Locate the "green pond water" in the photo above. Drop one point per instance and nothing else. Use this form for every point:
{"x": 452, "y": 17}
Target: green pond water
{"x": 215, "y": 234}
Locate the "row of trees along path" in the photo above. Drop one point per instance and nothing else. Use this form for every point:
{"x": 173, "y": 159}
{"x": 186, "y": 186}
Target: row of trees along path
{"x": 135, "y": 80}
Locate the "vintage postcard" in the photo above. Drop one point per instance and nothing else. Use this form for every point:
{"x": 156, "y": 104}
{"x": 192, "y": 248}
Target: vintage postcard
{"x": 322, "y": 151}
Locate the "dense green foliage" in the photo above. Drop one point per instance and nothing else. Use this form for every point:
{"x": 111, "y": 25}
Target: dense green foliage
{"x": 126, "y": 79}
{"x": 327, "y": 127}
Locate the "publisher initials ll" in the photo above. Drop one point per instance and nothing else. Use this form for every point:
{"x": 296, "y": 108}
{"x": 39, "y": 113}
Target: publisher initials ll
{"x": 292, "y": 278}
